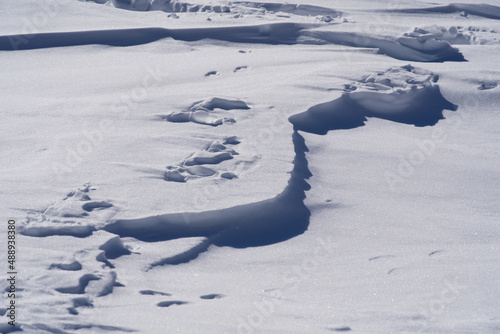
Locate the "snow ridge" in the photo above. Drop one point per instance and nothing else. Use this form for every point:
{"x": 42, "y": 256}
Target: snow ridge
{"x": 405, "y": 48}
{"x": 255, "y": 224}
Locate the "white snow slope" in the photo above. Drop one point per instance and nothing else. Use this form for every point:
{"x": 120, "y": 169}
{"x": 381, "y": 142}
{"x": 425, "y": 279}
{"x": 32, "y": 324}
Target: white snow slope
{"x": 250, "y": 167}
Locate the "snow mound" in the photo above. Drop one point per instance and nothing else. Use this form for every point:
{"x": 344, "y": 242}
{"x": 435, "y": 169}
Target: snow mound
{"x": 403, "y": 94}
{"x": 453, "y": 35}
{"x": 201, "y": 112}
{"x": 406, "y": 48}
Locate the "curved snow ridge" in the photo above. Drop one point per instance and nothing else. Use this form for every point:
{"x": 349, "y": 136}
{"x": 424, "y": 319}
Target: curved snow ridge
{"x": 484, "y": 10}
{"x": 403, "y": 94}
{"x": 274, "y": 33}
{"x": 261, "y": 223}
{"x": 429, "y": 50}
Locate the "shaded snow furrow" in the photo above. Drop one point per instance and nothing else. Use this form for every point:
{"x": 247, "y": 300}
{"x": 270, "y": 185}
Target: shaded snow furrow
{"x": 276, "y": 33}
{"x": 405, "y": 48}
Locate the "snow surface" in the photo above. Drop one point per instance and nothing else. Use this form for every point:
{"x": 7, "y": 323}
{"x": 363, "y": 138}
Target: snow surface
{"x": 251, "y": 167}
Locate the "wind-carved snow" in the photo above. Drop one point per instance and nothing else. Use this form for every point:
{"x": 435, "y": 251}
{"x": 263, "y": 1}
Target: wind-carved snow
{"x": 406, "y": 48}
{"x": 96, "y": 256}
{"x": 454, "y": 35}
{"x": 402, "y": 94}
